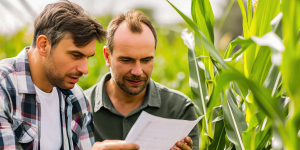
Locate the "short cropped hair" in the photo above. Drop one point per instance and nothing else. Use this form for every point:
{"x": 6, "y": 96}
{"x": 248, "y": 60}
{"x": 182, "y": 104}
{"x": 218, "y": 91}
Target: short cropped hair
{"x": 134, "y": 20}
{"x": 64, "y": 18}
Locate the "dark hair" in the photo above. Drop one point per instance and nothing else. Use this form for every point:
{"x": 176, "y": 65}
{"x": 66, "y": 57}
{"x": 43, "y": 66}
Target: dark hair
{"x": 134, "y": 20}
{"x": 65, "y": 18}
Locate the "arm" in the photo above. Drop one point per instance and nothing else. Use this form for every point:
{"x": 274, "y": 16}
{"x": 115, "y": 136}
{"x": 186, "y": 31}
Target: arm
{"x": 7, "y": 136}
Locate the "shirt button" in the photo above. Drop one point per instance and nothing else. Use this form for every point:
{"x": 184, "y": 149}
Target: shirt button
{"x": 125, "y": 120}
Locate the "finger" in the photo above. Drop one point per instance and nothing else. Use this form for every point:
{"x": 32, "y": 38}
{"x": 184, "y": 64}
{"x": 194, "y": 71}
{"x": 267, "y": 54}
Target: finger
{"x": 189, "y": 141}
{"x": 183, "y": 146}
{"x": 118, "y": 145}
{"x": 175, "y": 148}
{"x": 111, "y": 141}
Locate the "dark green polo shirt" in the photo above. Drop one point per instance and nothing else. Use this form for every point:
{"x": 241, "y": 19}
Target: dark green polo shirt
{"x": 159, "y": 101}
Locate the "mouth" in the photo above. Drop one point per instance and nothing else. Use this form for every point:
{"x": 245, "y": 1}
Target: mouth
{"x": 74, "y": 79}
{"x": 135, "y": 82}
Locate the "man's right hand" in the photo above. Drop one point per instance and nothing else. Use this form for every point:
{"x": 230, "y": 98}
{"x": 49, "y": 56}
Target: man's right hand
{"x": 114, "y": 145}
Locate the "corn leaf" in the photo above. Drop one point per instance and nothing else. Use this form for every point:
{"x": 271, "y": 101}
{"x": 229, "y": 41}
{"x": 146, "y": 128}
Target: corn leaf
{"x": 249, "y": 12}
{"x": 235, "y": 123}
{"x": 238, "y": 41}
{"x": 265, "y": 12}
{"x": 262, "y": 65}
{"x": 244, "y": 15}
{"x": 290, "y": 68}
{"x": 201, "y": 39}
{"x": 218, "y": 142}
{"x": 197, "y": 77}
{"x": 273, "y": 79}
{"x": 204, "y": 18}
{"x": 262, "y": 98}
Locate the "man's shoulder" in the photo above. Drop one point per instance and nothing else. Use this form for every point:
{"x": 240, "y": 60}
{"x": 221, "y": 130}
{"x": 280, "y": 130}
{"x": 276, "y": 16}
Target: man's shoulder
{"x": 92, "y": 91}
{"x": 169, "y": 93}
{"x": 7, "y": 66}
{"x": 174, "y": 104}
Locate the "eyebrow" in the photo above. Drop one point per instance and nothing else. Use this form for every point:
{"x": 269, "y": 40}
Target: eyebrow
{"x": 124, "y": 57}
{"x": 80, "y": 53}
{"x": 150, "y": 57}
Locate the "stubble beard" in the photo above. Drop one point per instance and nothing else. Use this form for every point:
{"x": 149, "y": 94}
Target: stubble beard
{"x": 122, "y": 84}
{"x": 54, "y": 77}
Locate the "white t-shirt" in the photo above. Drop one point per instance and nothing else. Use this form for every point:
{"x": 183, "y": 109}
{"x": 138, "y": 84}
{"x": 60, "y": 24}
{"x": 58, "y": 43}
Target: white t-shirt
{"x": 51, "y": 136}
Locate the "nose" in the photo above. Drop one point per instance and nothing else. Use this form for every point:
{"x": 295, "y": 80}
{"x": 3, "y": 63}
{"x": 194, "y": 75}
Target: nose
{"x": 137, "y": 69}
{"x": 83, "y": 67}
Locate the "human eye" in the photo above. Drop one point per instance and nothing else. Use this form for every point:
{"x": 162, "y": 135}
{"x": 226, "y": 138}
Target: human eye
{"x": 146, "y": 60}
{"x": 76, "y": 56}
{"x": 125, "y": 60}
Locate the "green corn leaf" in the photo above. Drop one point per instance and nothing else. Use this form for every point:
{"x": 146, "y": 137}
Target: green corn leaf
{"x": 218, "y": 142}
{"x": 290, "y": 68}
{"x": 238, "y": 41}
{"x": 262, "y": 65}
{"x": 270, "y": 39}
{"x": 197, "y": 77}
{"x": 240, "y": 90}
{"x": 244, "y": 15}
{"x": 254, "y": 137}
{"x": 216, "y": 112}
{"x": 203, "y": 40}
{"x": 263, "y": 135}
{"x": 265, "y": 12}
{"x": 273, "y": 80}
{"x": 276, "y": 25}
{"x": 250, "y": 108}
{"x": 235, "y": 123}
{"x": 204, "y": 18}
{"x": 262, "y": 98}
{"x": 249, "y": 12}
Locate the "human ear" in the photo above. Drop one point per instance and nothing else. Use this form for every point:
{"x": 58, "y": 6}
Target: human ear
{"x": 107, "y": 56}
{"x": 43, "y": 45}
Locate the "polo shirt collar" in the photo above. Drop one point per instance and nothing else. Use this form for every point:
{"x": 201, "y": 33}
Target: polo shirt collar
{"x": 152, "y": 97}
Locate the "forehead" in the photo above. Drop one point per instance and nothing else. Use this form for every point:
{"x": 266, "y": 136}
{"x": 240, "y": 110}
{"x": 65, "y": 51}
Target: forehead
{"x": 129, "y": 43}
{"x": 67, "y": 44}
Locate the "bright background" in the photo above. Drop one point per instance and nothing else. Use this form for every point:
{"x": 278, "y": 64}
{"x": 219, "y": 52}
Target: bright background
{"x": 171, "y": 63}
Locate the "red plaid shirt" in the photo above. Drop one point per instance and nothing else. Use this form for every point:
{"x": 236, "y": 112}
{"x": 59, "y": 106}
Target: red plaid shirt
{"x": 20, "y": 110}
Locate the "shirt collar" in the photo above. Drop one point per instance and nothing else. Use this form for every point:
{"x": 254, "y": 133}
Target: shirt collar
{"x": 152, "y": 97}
{"x": 25, "y": 84}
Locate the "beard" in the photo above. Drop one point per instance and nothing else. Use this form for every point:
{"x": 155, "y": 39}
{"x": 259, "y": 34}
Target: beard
{"x": 55, "y": 77}
{"x": 131, "y": 90}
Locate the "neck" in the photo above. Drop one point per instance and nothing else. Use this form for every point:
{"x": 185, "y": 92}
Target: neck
{"x": 122, "y": 101}
{"x": 38, "y": 76}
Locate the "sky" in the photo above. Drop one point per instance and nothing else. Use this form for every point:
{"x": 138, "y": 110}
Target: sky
{"x": 15, "y": 14}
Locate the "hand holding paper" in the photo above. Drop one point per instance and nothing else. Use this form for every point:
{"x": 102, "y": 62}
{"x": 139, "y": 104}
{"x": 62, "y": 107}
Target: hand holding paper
{"x": 151, "y": 132}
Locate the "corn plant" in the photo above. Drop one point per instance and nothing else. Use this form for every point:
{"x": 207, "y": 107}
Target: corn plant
{"x": 250, "y": 98}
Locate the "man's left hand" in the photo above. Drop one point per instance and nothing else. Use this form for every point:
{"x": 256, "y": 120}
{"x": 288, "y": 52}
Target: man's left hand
{"x": 184, "y": 144}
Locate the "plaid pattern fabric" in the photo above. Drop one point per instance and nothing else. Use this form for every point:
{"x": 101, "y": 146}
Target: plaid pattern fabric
{"x": 20, "y": 110}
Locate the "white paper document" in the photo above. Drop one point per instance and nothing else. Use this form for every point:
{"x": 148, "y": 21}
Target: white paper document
{"x": 156, "y": 133}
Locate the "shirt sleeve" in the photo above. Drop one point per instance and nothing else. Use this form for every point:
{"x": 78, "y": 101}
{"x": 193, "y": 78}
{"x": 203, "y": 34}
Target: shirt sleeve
{"x": 188, "y": 113}
{"x": 7, "y": 136}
